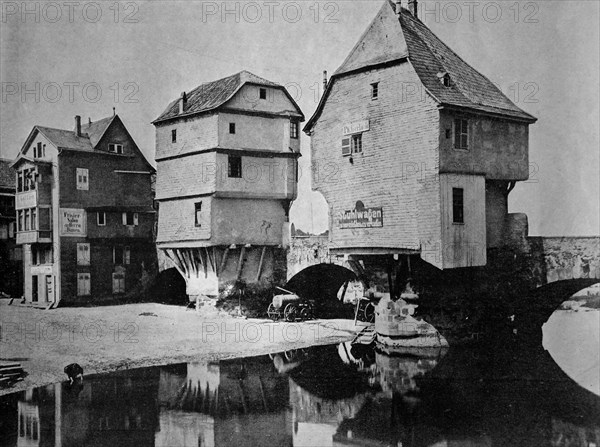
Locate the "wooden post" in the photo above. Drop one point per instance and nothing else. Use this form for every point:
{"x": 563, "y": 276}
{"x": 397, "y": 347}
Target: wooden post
{"x": 223, "y": 261}
{"x": 260, "y": 264}
{"x": 241, "y": 262}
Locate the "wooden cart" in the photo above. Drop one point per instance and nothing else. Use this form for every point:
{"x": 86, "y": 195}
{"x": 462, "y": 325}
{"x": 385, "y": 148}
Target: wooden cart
{"x": 290, "y": 307}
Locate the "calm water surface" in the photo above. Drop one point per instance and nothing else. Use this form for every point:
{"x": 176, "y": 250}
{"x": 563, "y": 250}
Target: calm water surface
{"x": 495, "y": 395}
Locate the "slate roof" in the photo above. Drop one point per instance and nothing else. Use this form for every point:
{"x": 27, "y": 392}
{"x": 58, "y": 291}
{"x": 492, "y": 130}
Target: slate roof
{"x": 7, "y": 174}
{"x": 66, "y": 139}
{"x": 96, "y": 129}
{"x": 390, "y": 38}
{"x": 212, "y": 95}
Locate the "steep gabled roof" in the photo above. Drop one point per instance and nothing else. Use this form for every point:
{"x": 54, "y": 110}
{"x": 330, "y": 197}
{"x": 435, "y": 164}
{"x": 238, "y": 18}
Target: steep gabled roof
{"x": 391, "y": 39}
{"x": 95, "y": 130}
{"x": 212, "y": 95}
{"x": 7, "y": 174}
{"x": 91, "y": 134}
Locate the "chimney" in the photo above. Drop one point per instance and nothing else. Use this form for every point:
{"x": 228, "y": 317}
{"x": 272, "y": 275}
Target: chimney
{"x": 324, "y": 80}
{"x": 182, "y": 102}
{"x": 78, "y": 125}
{"x": 89, "y": 120}
{"x": 398, "y": 5}
{"x": 412, "y": 7}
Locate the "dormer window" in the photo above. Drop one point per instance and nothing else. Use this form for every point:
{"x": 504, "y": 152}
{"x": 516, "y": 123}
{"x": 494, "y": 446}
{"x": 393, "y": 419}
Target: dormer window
{"x": 262, "y": 93}
{"x": 445, "y": 79}
{"x": 375, "y": 90}
{"x": 115, "y": 148}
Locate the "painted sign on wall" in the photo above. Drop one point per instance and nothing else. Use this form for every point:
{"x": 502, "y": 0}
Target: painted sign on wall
{"x": 72, "y": 222}
{"x": 361, "y": 217}
{"x": 355, "y": 127}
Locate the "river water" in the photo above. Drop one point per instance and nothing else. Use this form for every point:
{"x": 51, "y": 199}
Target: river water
{"x": 338, "y": 395}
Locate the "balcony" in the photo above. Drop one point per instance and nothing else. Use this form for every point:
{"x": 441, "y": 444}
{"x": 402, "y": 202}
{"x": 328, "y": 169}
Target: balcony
{"x": 34, "y": 225}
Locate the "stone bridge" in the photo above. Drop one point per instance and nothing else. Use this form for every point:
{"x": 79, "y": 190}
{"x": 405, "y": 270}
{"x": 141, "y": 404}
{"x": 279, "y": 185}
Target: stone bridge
{"x": 551, "y": 259}
{"x": 542, "y": 271}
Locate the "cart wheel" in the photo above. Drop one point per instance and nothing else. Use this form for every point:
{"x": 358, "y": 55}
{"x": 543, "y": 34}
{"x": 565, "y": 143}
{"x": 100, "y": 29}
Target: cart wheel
{"x": 289, "y": 314}
{"x": 369, "y": 313}
{"x": 306, "y": 313}
{"x": 272, "y": 312}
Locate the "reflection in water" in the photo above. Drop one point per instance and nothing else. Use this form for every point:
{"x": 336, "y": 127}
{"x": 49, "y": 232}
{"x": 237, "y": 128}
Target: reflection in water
{"x": 338, "y": 395}
{"x": 573, "y": 340}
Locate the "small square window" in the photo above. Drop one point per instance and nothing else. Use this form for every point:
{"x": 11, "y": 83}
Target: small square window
{"x": 115, "y": 148}
{"x": 198, "y": 214}
{"x": 458, "y": 210}
{"x": 232, "y": 128}
{"x": 130, "y": 219}
{"x": 174, "y": 136}
{"x": 262, "y": 93}
{"x": 101, "y": 218}
{"x": 294, "y": 130}
{"x": 121, "y": 255}
{"x": 375, "y": 90}
{"x": 235, "y": 166}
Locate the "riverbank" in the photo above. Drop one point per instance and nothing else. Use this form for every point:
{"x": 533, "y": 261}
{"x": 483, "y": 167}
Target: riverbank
{"x": 111, "y": 338}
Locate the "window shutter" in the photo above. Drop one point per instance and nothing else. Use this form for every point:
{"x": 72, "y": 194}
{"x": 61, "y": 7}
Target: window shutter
{"x": 135, "y": 218}
{"x": 346, "y": 146}
{"x": 124, "y": 218}
{"x": 127, "y": 256}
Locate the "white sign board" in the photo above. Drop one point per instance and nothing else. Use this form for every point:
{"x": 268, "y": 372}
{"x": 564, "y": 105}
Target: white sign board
{"x": 355, "y": 127}
{"x": 26, "y": 200}
{"x": 73, "y": 222}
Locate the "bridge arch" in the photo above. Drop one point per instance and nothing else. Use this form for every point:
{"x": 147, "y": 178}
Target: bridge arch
{"x": 320, "y": 282}
{"x": 535, "y": 309}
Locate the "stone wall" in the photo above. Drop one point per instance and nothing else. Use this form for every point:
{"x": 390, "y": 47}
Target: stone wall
{"x": 306, "y": 251}
{"x": 559, "y": 258}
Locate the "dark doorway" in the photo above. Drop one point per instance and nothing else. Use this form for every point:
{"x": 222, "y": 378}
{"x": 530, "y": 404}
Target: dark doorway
{"x": 34, "y": 288}
{"x": 170, "y": 288}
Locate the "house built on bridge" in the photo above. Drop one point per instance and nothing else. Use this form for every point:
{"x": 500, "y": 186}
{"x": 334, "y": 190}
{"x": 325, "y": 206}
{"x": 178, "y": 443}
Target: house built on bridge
{"x": 227, "y": 158}
{"x": 415, "y": 151}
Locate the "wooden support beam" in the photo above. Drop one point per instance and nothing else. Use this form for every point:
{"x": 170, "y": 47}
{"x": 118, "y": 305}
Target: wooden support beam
{"x": 223, "y": 261}
{"x": 240, "y": 265}
{"x": 209, "y": 259}
{"x": 173, "y": 259}
{"x": 215, "y": 255}
{"x": 187, "y": 256}
{"x": 260, "y": 263}
{"x": 181, "y": 262}
{"x": 197, "y": 256}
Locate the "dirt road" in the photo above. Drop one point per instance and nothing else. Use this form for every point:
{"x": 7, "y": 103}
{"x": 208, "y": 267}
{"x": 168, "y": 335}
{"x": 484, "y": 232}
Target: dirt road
{"x": 103, "y": 339}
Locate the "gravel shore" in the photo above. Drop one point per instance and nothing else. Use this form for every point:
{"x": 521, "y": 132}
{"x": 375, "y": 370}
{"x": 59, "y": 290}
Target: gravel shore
{"x": 103, "y": 339}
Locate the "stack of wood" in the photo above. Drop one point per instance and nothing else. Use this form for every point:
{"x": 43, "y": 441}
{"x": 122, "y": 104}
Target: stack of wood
{"x": 10, "y": 373}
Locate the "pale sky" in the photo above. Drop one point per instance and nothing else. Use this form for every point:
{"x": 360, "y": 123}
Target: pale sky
{"x": 86, "y": 58}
